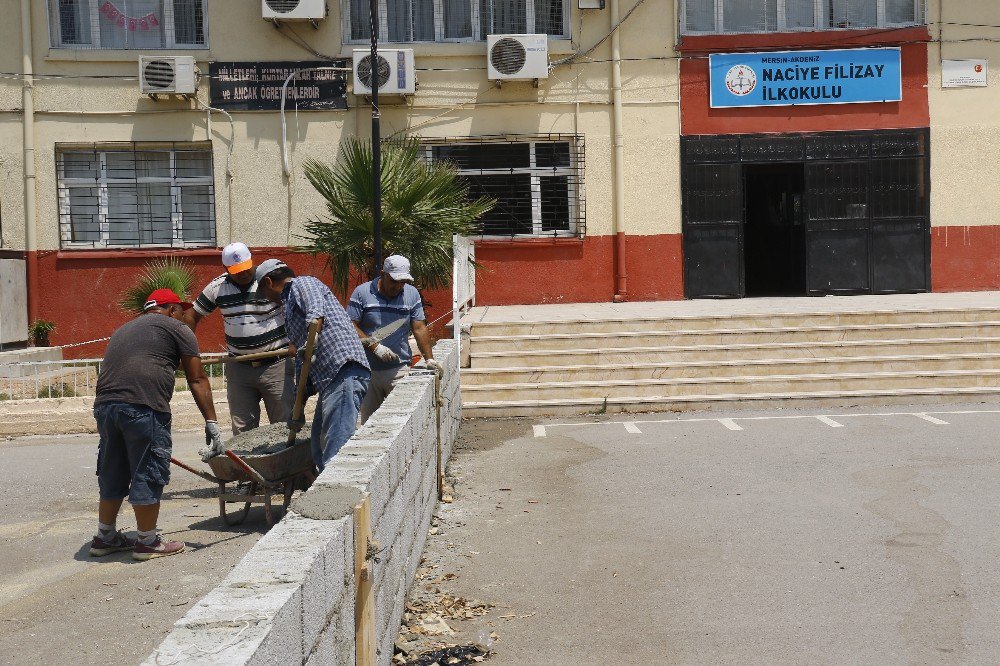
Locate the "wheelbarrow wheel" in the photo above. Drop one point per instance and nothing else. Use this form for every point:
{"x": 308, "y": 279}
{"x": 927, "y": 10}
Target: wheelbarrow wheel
{"x": 233, "y": 519}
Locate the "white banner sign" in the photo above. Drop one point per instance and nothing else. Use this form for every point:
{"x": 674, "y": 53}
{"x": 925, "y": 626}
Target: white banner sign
{"x": 964, "y": 73}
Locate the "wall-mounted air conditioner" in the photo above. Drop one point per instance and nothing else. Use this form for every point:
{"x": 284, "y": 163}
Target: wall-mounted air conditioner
{"x": 395, "y": 72}
{"x": 167, "y": 75}
{"x": 293, "y": 10}
{"x": 517, "y": 57}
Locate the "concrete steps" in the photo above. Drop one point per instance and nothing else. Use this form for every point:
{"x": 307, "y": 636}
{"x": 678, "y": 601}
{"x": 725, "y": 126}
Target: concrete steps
{"x": 576, "y": 366}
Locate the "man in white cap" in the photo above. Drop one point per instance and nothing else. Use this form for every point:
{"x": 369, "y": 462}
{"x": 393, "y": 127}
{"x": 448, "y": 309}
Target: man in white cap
{"x": 375, "y": 305}
{"x": 252, "y": 324}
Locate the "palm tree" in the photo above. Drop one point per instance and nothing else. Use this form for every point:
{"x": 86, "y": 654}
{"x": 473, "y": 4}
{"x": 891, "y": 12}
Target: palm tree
{"x": 169, "y": 273}
{"x": 423, "y": 205}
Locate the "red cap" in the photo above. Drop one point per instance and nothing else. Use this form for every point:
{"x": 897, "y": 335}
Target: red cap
{"x": 162, "y": 297}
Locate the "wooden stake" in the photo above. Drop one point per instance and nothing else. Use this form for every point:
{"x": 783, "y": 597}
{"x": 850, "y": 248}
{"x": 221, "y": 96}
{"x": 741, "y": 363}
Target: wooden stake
{"x": 364, "y": 606}
{"x": 437, "y": 405}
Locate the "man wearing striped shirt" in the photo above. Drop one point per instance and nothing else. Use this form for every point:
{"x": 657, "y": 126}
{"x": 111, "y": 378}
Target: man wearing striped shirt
{"x": 252, "y": 324}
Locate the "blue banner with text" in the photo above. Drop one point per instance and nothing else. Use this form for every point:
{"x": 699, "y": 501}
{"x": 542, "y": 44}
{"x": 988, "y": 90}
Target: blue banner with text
{"x": 789, "y": 78}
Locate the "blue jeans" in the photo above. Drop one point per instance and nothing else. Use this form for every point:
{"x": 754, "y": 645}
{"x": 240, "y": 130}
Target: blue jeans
{"x": 133, "y": 457}
{"x": 337, "y": 412}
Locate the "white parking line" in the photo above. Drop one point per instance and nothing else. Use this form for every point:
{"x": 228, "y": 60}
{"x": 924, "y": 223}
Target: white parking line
{"x": 632, "y": 428}
{"x": 830, "y": 422}
{"x": 931, "y": 419}
{"x": 730, "y": 424}
{"x": 539, "y": 430}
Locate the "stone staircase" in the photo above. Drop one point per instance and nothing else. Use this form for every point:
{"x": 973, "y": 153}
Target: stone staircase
{"x": 664, "y": 361}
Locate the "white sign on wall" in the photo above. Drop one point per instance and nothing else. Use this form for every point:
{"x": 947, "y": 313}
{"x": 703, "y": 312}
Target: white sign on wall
{"x": 964, "y": 73}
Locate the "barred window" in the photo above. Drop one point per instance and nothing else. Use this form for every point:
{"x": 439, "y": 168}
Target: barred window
{"x": 136, "y": 195}
{"x": 754, "y": 16}
{"x": 537, "y": 182}
{"x": 455, "y": 20}
{"x": 128, "y": 24}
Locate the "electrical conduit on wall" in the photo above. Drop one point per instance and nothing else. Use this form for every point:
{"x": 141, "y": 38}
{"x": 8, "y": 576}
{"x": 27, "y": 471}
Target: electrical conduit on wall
{"x": 28, "y": 123}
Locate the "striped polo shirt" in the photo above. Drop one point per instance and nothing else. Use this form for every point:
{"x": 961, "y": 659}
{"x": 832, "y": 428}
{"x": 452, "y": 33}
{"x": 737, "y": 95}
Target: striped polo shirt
{"x": 251, "y": 322}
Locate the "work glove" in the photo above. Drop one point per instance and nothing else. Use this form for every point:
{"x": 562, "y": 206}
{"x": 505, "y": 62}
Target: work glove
{"x": 213, "y": 441}
{"x": 295, "y": 425}
{"x": 435, "y": 366}
{"x": 385, "y": 354}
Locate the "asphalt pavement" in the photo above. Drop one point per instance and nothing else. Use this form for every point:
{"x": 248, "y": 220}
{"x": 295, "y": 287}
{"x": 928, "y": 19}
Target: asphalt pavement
{"x": 60, "y": 606}
{"x": 832, "y": 536}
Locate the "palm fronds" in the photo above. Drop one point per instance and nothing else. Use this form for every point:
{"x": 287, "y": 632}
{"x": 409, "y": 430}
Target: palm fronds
{"x": 169, "y": 273}
{"x": 423, "y": 205}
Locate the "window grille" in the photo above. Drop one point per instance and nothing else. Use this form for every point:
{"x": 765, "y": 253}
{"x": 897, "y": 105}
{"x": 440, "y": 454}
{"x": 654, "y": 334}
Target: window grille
{"x": 756, "y": 16}
{"x": 136, "y": 195}
{"x": 404, "y": 21}
{"x": 537, "y": 181}
{"x": 128, "y": 24}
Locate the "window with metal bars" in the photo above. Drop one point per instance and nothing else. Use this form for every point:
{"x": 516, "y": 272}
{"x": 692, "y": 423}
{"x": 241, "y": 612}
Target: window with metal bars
{"x": 136, "y": 195}
{"x": 537, "y": 182}
{"x": 755, "y": 16}
{"x": 404, "y": 21}
{"x": 128, "y": 24}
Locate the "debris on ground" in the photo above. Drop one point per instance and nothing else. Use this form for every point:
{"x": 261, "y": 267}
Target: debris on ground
{"x": 449, "y": 655}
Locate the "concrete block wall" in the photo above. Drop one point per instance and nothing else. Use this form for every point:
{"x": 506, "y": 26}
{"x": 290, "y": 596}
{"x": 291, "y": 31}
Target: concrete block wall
{"x": 291, "y": 599}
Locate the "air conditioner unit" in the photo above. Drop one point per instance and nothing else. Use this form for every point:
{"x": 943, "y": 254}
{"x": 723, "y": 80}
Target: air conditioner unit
{"x": 167, "y": 75}
{"x": 293, "y": 10}
{"x": 517, "y": 57}
{"x": 396, "y": 74}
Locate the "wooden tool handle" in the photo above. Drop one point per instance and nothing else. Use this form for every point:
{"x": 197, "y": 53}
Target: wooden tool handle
{"x": 300, "y": 393}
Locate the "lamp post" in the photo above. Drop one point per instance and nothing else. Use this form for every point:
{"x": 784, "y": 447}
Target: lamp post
{"x": 376, "y": 142}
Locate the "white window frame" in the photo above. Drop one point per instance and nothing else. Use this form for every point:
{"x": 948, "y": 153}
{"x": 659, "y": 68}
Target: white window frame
{"x": 169, "y": 37}
{"x": 439, "y": 38}
{"x": 919, "y": 8}
{"x": 574, "y": 174}
{"x": 64, "y": 184}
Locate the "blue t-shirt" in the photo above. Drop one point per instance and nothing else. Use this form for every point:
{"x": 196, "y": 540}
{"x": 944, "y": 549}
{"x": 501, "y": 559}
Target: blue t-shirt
{"x": 372, "y": 310}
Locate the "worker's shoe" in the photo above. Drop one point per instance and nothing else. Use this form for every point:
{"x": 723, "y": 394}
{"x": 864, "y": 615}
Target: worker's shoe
{"x": 159, "y": 548}
{"x": 118, "y": 543}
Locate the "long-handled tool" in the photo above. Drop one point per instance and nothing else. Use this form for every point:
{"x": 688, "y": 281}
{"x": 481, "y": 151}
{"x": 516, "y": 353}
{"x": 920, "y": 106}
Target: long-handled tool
{"x": 300, "y": 394}
{"x": 246, "y": 358}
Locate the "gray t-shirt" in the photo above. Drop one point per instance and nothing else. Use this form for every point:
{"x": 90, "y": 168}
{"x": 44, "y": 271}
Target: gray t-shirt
{"x": 141, "y": 360}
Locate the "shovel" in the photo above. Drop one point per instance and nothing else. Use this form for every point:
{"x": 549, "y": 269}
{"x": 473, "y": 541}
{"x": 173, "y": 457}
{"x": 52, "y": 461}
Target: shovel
{"x": 300, "y": 393}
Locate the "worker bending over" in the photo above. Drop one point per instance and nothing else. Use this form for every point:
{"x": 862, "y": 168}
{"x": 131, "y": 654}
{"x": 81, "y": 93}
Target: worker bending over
{"x": 339, "y": 371}
{"x": 132, "y": 409}
{"x": 378, "y": 304}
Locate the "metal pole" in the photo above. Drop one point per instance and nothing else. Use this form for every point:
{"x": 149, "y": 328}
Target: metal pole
{"x": 376, "y": 144}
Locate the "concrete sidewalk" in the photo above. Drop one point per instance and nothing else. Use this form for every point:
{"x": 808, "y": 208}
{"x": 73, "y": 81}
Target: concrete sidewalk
{"x": 851, "y": 538}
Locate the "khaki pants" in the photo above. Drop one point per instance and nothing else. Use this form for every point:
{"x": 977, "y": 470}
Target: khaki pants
{"x": 246, "y": 386}
{"x": 382, "y": 383}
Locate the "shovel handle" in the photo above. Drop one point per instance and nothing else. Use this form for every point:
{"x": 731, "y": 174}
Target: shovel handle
{"x": 300, "y": 393}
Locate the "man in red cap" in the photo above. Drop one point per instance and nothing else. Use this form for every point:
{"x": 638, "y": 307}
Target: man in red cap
{"x": 132, "y": 409}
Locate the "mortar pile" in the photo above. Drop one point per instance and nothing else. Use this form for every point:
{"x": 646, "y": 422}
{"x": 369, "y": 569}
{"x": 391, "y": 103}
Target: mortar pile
{"x": 266, "y": 440}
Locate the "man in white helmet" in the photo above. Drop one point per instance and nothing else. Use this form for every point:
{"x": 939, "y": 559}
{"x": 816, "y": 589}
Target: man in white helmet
{"x": 252, "y": 324}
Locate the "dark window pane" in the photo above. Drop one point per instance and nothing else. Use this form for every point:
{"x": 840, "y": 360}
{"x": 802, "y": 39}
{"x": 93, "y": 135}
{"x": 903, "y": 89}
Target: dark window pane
{"x": 899, "y": 188}
{"x": 712, "y": 193}
{"x": 84, "y": 209}
{"x": 189, "y": 21}
{"x": 398, "y": 18}
{"x": 74, "y": 22}
{"x": 700, "y": 15}
{"x": 554, "y": 154}
{"x": 485, "y": 156}
{"x": 509, "y": 16}
{"x": 549, "y": 17}
{"x": 360, "y": 20}
{"x": 750, "y": 15}
{"x": 851, "y": 13}
{"x": 512, "y": 213}
{"x": 197, "y": 214}
{"x": 838, "y": 191}
{"x": 800, "y": 14}
{"x": 423, "y": 20}
{"x": 457, "y": 19}
{"x": 555, "y": 203}
{"x": 80, "y": 165}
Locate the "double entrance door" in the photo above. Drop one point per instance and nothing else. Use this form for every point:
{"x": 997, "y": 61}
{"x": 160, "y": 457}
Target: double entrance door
{"x": 826, "y": 213}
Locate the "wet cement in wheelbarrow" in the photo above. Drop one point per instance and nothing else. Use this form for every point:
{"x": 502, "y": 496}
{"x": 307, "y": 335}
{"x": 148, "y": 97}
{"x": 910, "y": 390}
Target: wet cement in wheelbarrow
{"x": 265, "y": 440}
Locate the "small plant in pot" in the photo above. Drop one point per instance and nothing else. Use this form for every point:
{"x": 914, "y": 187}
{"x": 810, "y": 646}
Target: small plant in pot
{"x": 39, "y": 332}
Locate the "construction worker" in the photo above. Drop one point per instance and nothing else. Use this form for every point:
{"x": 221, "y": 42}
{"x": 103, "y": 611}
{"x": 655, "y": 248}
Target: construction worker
{"x": 132, "y": 409}
{"x": 252, "y": 324}
{"x": 375, "y": 305}
{"x": 339, "y": 370}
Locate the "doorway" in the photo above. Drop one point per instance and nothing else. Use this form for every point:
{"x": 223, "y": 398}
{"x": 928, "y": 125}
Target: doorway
{"x": 774, "y": 232}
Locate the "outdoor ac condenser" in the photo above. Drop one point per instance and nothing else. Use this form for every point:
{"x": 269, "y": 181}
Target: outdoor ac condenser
{"x": 517, "y": 57}
{"x": 293, "y": 10}
{"x": 167, "y": 75}
{"x": 395, "y": 72}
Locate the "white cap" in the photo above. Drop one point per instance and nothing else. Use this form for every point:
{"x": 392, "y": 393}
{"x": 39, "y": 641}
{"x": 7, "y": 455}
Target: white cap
{"x": 398, "y": 267}
{"x": 236, "y": 258}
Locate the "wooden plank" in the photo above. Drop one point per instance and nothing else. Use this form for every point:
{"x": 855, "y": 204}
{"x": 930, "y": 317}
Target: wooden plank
{"x": 364, "y": 602}
{"x": 437, "y": 405}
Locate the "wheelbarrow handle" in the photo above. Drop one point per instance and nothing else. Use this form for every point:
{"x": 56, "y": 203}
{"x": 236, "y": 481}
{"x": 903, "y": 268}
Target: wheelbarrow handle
{"x": 196, "y": 472}
{"x": 247, "y": 468}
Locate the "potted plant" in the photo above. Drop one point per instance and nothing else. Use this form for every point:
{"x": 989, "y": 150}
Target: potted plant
{"x": 39, "y": 332}
{"x": 169, "y": 273}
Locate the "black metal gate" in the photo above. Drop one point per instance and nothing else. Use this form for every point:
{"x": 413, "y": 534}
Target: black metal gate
{"x": 867, "y": 203}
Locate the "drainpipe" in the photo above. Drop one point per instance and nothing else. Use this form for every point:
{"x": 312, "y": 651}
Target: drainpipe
{"x": 28, "y": 123}
{"x": 621, "y": 281}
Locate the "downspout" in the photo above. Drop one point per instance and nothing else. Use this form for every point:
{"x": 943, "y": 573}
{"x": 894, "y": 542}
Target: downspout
{"x": 28, "y": 124}
{"x": 621, "y": 280}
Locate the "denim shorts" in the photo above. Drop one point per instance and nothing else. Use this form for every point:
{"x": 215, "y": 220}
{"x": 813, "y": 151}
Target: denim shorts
{"x": 133, "y": 458}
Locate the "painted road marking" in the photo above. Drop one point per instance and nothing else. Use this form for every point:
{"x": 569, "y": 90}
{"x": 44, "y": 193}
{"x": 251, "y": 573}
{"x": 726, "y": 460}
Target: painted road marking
{"x": 830, "y": 422}
{"x": 730, "y": 424}
{"x": 539, "y": 430}
{"x": 632, "y": 428}
{"x": 931, "y": 419}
